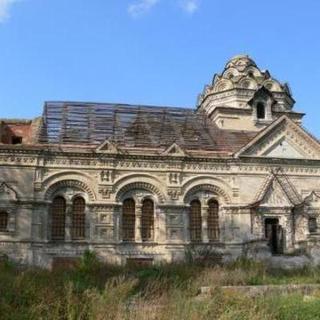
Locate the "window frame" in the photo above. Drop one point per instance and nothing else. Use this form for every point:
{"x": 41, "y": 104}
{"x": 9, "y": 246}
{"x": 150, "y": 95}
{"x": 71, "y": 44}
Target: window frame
{"x": 147, "y": 220}
{"x": 60, "y": 223}
{"x": 195, "y": 221}
{"x": 6, "y": 219}
{"x": 213, "y": 220}
{"x": 78, "y": 219}
{"x": 128, "y": 223}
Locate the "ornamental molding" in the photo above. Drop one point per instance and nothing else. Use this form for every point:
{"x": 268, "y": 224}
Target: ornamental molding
{"x": 7, "y": 194}
{"x": 139, "y": 185}
{"x": 208, "y": 187}
{"x": 175, "y": 151}
{"x": 282, "y": 128}
{"x": 277, "y": 189}
{"x": 174, "y": 193}
{"x": 74, "y": 184}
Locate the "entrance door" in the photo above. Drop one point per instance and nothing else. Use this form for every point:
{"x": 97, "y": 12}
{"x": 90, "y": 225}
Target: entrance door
{"x": 274, "y": 235}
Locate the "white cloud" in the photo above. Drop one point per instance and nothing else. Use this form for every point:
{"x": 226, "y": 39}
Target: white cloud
{"x": 141, "y": 7}
{"x": 5, "y": 6}
{"x": 190, "y": 6}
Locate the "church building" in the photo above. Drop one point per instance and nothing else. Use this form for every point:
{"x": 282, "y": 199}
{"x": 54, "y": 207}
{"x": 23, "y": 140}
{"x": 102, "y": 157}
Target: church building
{"x": 237, "y": 175}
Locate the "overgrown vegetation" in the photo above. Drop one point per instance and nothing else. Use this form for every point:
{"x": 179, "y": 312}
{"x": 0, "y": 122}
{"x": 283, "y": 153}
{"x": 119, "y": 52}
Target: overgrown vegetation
{"x": 97, "y": 291}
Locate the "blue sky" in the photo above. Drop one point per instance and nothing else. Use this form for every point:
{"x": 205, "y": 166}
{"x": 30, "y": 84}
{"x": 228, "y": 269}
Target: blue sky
{"x": 156, "y": 52}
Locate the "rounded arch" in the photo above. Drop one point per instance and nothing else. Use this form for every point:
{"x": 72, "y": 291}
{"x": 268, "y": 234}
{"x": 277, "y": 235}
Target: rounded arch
{"x": 139, "y": 181}
{"x": 76, "y": 184}
{"x": 207, "y": 183}
{"x": 272, "y": 85}
{"x": 253, "y": 72}
{"x": 231, "y": 73}
{"x": 65, "y": 175}
{"x": 139, "y": 185}
{"x": 248, "y": 83}
{"x": 223, "y": 85}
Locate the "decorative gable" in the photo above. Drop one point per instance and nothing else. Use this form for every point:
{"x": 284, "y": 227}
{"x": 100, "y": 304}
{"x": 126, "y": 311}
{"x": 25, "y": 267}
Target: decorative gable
{"x": 277, "y": 191}
{"x": 107, "y": 147}
{"x": 285, "y": 149}
{"x": 275, "y": 196}
{"x": 7, "y": 193}
{"x": 174, "y": 150}
{"x": 282, "y": 139}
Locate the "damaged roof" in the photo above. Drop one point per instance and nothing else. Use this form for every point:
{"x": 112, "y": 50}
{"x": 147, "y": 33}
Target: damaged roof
{"x": 135, "y": 126}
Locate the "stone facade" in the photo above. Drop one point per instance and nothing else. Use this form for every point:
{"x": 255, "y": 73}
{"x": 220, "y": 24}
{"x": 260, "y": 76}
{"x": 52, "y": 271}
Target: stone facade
{"x": 251, "y": 156}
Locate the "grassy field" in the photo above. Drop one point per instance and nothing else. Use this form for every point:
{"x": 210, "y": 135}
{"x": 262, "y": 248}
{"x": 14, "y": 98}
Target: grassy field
{"x": 96, "y": 291}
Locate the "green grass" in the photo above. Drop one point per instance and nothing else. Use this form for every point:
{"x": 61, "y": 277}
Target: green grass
{"x": 96, "y": 291}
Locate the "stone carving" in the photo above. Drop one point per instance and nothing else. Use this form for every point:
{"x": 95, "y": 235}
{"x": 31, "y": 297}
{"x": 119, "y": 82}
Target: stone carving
{"x": 7, "y": 193}
{"x": 74, "y": 184}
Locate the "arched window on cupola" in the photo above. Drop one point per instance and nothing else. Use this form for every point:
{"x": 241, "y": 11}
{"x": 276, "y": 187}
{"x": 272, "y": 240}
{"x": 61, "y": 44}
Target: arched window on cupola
{"x": 78, "y": 219}
{"x": 312, "y": 224}
{"x": 58, "y": 217}
{"x": 147, "y": 220}
{"x": 195, "y": 221}
{"x": 4, "y": 219}
{"x": 261, "y": 110}
{"x": 213, "y": 220}
{"x": 128, "y": 220}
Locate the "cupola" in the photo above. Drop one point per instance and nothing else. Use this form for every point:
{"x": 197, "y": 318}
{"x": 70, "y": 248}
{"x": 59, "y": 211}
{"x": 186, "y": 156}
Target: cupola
{"x": 245, "y": 97}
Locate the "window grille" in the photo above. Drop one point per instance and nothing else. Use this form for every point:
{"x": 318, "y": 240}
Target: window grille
{"x": 213, "y": 220}
{"x": 128, "y": 220}
{"x": 195, "y": 221}
{"x": 4, "y": 218}
{"x": 78, "y": 219}
{"x": 147, "y": 220}
{"x": 58, "y": 216}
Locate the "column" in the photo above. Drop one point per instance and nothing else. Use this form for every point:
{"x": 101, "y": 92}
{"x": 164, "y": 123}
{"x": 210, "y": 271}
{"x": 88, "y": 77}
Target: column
{"x": 68, "y": 222}
{"x": 138, "y": 223}
{"x": 204, "y": 222}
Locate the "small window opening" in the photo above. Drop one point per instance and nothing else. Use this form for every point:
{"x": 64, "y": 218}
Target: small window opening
{"x": 16, "y": 140}
{"x": 312, "y": 225}
{"x": 4, "y": 218}
{"x": 261, "y": 111}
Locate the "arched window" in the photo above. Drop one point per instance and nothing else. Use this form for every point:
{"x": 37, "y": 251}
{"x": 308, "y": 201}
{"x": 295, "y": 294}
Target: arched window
{"x": 4, "y": 218}
{"x": 128, "y": 220}
{"x": 78, "y": 219}
{"x": 312, "y": 223}
{"x": 195, "y": 221}
{"x": 58, "y": 217}
{"x": 213, "y": 220}
{"x": 147, "y": 220}
{"x": 261, "y": 111}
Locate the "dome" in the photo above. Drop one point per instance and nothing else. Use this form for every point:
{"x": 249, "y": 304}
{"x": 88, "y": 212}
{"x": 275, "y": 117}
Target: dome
{"x": 240, "y": 62}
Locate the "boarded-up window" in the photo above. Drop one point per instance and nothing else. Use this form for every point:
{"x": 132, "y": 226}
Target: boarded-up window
{"x": 58, "y": 217}
{"x": 213, "y": 220}
{"x": 78, "y": 219}
{"x": 4, "y": 217}
{"x": 195, "y": 221}
{"x": 128, "y": 220}
{"x": 147, "y": 220}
